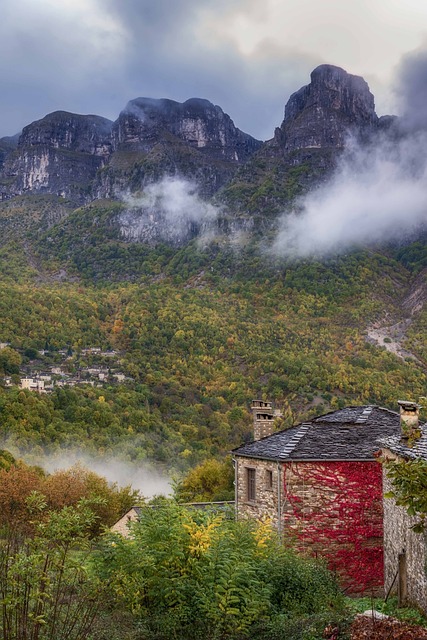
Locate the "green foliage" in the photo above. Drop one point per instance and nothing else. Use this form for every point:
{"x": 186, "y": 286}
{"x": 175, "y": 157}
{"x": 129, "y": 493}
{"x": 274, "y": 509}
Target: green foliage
{"x": 413, "y": 256}
{"x": 6, "y": 460}
{"x": 208, "y": 332}
{"x": 193, "y": 574}
{"x": 409, "y": 481}
{"x": 9, "y": 361}
{"x": 209, "y": 481}
{"x": 390, "y": 608}
{"x": 316, "y": 626}
{"x": 46, "y": 591}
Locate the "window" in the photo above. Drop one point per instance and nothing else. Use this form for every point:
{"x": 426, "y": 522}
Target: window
{"x": 251, "y": 485}
{"x": 268, "y": 479}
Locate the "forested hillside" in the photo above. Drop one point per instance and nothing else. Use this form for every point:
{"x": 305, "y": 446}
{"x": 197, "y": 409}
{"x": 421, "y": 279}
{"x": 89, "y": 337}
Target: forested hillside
{"x": 198, "y": 334}
{"x": 163, "y": 270}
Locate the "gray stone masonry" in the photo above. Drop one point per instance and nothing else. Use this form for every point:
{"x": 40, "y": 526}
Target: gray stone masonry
{"x": 265, "y": 505}
{"x": 400, "y": 538}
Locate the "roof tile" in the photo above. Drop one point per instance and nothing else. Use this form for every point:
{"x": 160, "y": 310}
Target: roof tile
{"x": 352, "y": 433}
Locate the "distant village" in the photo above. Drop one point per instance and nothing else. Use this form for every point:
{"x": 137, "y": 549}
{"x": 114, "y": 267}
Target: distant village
{"x": 68, "y": 370}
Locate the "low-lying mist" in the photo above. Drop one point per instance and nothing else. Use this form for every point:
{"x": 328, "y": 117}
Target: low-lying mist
{"x": 377, "y": 194}
{"x": 170, "y": 210}
{"x": 145, "y": 476}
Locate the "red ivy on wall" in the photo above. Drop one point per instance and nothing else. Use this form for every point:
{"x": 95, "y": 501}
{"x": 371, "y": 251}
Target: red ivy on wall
{"x": 335, "y": 509}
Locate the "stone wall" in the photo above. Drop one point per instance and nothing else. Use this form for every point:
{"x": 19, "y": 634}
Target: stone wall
{"x": 328, "y": 509}
{"x": 399, "y": 538}
{"x": 334, "y": 510}
{"x": 266, "y": 498}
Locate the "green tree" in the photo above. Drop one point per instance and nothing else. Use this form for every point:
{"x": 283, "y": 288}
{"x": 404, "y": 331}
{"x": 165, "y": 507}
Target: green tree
{"x": 409, "y": 482}
{"x": 210, "y": 481}
{"x": 46, "y": 591}
{"x": 10, "y": 361}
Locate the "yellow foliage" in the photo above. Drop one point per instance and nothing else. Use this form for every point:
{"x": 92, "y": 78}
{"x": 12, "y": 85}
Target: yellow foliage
{"x": 201, "y": 535}
{"x": 263, "y": 533}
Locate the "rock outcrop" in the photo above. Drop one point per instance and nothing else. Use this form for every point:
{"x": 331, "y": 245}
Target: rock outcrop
{"x": 63, "y": 153}
{"x": 318, "y": 120}
{"x": 156, "y": 138}
{"x": 198, "y": 123}
{"x": 58, "y": 154}
{"x": 323, "y": 113}
{"x": 85, "y": 158}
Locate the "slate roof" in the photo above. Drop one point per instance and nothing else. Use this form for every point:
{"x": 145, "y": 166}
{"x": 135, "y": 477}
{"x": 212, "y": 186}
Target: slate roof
{"x": 352, "y": 433}
{"x": 419, "y": 450}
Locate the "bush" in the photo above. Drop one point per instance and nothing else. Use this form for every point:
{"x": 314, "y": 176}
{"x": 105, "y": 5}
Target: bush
{"x": 191, "y": 574}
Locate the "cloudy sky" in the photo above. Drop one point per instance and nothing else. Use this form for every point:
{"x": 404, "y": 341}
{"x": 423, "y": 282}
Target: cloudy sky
{"x": 248, "y": 56}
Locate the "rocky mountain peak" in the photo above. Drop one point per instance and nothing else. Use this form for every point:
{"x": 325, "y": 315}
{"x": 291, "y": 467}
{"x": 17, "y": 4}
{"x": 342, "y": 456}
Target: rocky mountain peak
{"x": 196, "y": 122}
{"x": 72, "y": 131}
{"x": 59, "y": 154}
{"x": 321, "y": 114}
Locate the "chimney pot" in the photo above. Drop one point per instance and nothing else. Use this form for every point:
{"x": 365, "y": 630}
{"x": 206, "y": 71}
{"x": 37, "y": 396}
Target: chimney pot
{"x": 263, "y": 419}
{"x": 409, "y": 421}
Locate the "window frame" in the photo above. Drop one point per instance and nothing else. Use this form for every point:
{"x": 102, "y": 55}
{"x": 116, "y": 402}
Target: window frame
{"x": 251, "y": 484}
{"x": 269, "y": 479}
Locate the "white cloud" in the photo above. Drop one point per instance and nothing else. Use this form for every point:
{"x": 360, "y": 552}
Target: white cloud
{"x": 170, "y": 209}
{"x": 377, "y": 194}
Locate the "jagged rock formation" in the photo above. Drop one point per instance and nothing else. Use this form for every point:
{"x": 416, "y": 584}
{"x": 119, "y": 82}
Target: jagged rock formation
{"x": 59, "y": 154}
{"x": 323, "y": 113}
{"x": 318, "y": 119}
{"x": 85, "y": 158}
{"x": 63, "y": 153}
{"x": 200, "y": 124}
{"x": 154, "y": 138}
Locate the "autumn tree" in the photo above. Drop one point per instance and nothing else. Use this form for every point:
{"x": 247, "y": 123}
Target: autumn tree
{"x": 10, "y": 361}
{"x": 64, "y": 488}
{"x": 209, "y": 481}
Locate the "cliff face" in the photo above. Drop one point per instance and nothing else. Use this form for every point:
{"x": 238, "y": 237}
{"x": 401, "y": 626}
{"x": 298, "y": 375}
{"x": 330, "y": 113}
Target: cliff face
{"x": 196, "y": 122}
{"x": 323, "y": 113}
{"x": 59, "y": 154}
{"x": 319, "y": 117}
{"x": 155, "y": 138}
{"x": 85, "y": 158}
{"x": 64, "y": 152}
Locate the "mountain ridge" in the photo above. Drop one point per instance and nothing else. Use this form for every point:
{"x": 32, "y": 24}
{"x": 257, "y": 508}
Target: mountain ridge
{"x": 194, "y": 139}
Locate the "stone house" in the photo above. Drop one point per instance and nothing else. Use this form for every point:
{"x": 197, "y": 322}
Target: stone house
{"x": 320, "y": 484}
{"x": 33, "y": 384}
{"x": 405, "y": 553}
{"x": 122, "y": 525}
{"x": 134, "y": 513}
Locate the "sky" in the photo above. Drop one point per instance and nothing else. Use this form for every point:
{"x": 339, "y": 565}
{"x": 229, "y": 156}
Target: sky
{"x": 248, "y": 56}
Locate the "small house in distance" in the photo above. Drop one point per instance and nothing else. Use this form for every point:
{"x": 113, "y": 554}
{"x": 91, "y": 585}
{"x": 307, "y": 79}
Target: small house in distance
{"x": 122, "y": 525}
{"x": 320, "y": 483}
{"x": 405, "y": 552}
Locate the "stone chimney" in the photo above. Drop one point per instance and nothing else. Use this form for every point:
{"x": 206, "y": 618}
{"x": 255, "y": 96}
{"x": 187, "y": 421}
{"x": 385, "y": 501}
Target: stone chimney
{"x": 263, "y": 419}
{"x": 409, "y": 422}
